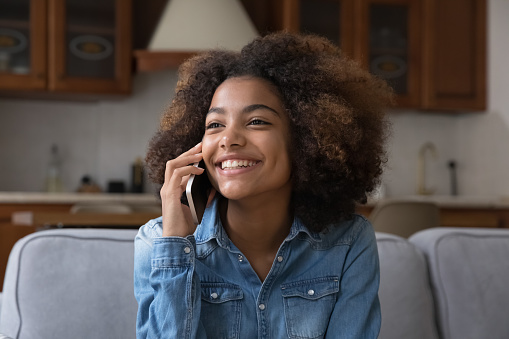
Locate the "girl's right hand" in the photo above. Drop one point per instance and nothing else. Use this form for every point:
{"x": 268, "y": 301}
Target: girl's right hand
{"x": 177, "y": 220}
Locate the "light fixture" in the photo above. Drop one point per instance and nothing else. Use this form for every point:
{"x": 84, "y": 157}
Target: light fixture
{"x": 196, "y": 25}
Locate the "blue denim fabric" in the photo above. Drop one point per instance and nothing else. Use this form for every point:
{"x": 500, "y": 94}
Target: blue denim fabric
{"x": 321, "y": 285}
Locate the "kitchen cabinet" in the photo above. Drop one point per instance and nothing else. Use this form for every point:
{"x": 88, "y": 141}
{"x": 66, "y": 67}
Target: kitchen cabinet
{"x": 10, "y": 233}
{"x": 47, "y": 210}
{"x": 432, "y": 52}
{"x": 458, "y": 211}
{"x": 65, "y": 46}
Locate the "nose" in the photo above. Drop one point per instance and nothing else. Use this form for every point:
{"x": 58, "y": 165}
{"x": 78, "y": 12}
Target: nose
{"x": 232, "y": 136}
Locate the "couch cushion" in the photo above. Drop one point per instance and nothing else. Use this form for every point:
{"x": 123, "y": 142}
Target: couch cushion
{"x": 469, "y": 270}
{"x": 70, "y": 283}
{"x": 405, "y": 295}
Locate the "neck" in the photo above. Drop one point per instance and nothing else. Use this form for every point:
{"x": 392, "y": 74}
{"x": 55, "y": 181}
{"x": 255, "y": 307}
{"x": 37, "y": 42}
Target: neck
{"x": 258, "y": 226}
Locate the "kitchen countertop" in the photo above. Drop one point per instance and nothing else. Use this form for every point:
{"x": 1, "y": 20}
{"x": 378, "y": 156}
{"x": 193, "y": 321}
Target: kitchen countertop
{"x": 72, "y": 198}
{"x": 444, "y": 201}
{"x": 460, "y": 201}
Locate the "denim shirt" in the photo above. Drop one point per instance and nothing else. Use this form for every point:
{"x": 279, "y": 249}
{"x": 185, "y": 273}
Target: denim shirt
{"x": 320, "y": 285}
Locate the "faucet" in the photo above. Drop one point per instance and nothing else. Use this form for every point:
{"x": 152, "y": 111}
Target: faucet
{"x": 421, "y": 169}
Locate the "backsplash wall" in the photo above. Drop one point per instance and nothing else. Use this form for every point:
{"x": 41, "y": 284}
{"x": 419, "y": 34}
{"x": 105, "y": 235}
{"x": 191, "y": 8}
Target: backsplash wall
{"x": 102, "y": 139}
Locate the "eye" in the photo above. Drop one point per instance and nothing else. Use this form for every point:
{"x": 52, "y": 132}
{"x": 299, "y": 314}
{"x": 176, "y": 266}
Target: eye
{"x": 258, "y": 122}
{"x": 213, "y": 125}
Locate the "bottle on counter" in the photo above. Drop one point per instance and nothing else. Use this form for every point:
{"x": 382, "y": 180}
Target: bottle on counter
{"x": 137, "y": 176}
{"x": 53, "y": 176}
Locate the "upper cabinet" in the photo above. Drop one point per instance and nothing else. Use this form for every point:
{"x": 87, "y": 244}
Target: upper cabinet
{"x": 389, "y": 45}
{"x": 432, "y": 52}
{"x": 65, "y": 46}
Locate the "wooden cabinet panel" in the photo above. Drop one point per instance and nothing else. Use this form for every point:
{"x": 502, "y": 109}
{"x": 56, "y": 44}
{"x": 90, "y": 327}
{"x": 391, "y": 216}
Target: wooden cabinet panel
{"x": 470, "y": 218}
{"x": 444, "y": 60}
{"x": 330, "y": 18}
{"x": 455, "y": 63}
{"x": 388, "y": 43}
{"x": 10, "y": 233}
{"x": 462, "y": 216}
{"x": 33, "y": 29}
{"x": 61, "y": 26}
{"x": 54, "y": 45}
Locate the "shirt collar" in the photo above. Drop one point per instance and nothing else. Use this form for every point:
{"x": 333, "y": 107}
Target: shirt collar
{"x": 212, "y": 228}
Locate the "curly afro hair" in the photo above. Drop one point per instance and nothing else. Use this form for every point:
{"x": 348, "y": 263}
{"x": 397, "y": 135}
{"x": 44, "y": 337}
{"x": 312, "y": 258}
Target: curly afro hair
{"x": 336, "y": 111}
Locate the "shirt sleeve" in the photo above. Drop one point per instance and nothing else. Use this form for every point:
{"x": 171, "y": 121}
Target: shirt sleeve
{"x": 166, "y": 288}
{"x": 357, "y": 311}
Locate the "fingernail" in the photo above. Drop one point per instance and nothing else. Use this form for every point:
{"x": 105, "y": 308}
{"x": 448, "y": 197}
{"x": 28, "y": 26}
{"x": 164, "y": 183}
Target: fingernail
{"x": 198, "y": 144}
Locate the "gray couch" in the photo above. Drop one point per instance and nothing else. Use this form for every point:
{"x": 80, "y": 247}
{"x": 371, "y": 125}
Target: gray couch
{"x": 70, "y": 284}
{"x": 77, "y": 283}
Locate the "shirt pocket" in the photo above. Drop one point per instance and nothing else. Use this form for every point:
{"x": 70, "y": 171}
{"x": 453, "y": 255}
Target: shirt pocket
{"x": 308, "y": 305}
{"x": 221, "y": 309}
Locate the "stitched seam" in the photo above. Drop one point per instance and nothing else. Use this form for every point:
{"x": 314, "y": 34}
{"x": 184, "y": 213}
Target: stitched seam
{"x": 439, "y": 272}
{"x": 20, "y": 255}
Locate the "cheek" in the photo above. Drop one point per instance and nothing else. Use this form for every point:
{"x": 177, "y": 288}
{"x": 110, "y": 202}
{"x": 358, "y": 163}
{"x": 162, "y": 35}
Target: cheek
{"x": 206, "y": 150}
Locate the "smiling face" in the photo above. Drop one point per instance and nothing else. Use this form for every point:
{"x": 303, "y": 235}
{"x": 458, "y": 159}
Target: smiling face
{"x": 246, "y": 141}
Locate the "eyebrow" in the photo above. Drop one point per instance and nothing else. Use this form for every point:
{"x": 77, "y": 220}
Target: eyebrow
{"x": 247, "y": 109}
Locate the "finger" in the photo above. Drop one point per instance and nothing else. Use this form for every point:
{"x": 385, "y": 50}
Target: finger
{"x": 181, "y": 161}
{"x": 194, "y": 150}
{"x": 173, "y": 186}
{"x": 178, "y": 175}
{"x": 184, "y": 181}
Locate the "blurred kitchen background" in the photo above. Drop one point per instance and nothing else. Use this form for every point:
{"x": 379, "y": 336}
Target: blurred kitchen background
{"x": 83, "y": 85}
{"x": 101, "y": 135}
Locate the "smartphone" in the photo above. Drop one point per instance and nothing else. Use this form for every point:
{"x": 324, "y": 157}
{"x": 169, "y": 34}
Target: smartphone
{"x": 197, "y": 191}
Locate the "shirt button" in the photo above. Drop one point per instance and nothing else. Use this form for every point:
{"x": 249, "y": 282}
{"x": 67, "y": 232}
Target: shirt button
{"x": 241, "y": 258}
{"x": 280, "y": 259}
{"x": 311, "y": 292}
{"x": 187, "y": 250}
{"x": 261, "y": 306}
{"x": 214, "y": 295}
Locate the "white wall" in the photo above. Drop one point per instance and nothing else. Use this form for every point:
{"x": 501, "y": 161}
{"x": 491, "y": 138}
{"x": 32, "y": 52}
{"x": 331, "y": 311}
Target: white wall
{"x": 103, "y": 139}
{"x": 484, "y": 139}
{"x": 479, "y": 142}
{"x": 100, "y": 139}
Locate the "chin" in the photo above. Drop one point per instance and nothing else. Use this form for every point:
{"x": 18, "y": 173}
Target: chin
{"x": 232, "y": 194}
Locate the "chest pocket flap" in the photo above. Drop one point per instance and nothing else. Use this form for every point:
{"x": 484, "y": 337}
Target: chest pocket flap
{"x": 308, "y": 305}
{"x": 311, "y": 289}
{"x": 221, "y": 309}
{"x": 217, "y": 293}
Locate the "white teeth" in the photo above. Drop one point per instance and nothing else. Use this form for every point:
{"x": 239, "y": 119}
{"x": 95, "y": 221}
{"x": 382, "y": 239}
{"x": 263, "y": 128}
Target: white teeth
{"x": 233, "y": 164}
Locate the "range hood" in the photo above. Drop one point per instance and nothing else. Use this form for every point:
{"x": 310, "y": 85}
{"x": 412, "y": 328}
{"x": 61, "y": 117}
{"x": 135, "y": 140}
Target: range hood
{"x": 187, "y": 27}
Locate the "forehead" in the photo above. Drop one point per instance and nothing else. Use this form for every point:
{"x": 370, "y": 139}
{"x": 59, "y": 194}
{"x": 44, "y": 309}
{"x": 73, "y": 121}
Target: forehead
{"x": 246, "y": 90}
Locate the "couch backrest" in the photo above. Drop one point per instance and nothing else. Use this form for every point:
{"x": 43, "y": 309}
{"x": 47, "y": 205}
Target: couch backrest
{"x": 469, "y": 270}
{"x": 405, "y": 294}
{"x": 40, "y": 299}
